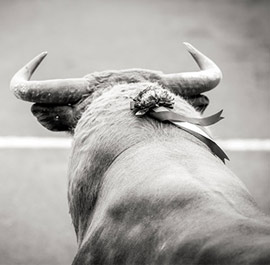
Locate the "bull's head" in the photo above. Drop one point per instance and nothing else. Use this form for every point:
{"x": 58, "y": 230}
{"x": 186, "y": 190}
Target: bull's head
{"x": 60, "y": 103}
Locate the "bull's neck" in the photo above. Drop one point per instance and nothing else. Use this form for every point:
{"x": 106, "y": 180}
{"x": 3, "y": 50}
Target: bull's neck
{"x": 105, "y": 133}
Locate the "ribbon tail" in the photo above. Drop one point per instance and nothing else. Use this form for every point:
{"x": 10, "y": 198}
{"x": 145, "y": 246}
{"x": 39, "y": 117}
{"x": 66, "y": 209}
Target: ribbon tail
{"x": 214, "y": 118}
{"x": 216, "y": 150}
{"x": 207, "y": 120}
{"x": 211, "y": 144}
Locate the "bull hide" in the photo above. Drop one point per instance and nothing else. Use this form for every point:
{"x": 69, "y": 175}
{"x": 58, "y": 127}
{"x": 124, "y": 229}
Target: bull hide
{"x": 145, "y": 192}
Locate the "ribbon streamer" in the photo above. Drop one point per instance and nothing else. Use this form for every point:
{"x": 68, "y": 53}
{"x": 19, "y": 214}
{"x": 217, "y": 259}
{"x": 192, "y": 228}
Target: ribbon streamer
{"x": 164, "y": 114}
{"x": 209, "y": 142}
{"x": 189, "y": 125}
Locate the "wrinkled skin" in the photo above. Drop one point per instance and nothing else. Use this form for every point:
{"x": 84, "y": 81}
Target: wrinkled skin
{"x": 145, "y": 192}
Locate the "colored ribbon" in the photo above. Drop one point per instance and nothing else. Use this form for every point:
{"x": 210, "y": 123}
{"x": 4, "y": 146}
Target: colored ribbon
{"x": 191, "y": 125}
{"x": 207, "y": 140}
{"x": 164, "y": 114}
{"x": 210, "y": 143}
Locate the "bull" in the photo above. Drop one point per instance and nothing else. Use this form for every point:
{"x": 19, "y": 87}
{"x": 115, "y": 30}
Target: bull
{"x": 143, "y": 191}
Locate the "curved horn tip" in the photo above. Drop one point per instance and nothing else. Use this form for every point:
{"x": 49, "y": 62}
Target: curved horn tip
{"x": 190, "y": 47}
{"x": 38, "y": 59}
{"x": 42, "y": 55}
{"x": 187, "y": 44}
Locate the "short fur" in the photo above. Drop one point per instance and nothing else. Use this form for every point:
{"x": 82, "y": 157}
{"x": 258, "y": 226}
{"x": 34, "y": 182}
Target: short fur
{"x": 142, "y": 191}
{"x": 145, "y": 192}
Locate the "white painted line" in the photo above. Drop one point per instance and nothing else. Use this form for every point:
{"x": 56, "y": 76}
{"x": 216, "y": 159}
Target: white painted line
{"x": 20, "y": 142}
{"x": 245, "y": 144}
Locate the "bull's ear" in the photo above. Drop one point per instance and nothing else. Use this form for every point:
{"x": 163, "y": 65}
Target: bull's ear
{"x": 199, "y": 102}
{"x": 56, "y": 118}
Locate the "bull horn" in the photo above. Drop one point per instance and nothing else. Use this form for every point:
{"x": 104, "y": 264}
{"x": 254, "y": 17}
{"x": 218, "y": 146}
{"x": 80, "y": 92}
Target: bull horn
{"x": 57, "y": 91}
{"x": 194, "y": 83}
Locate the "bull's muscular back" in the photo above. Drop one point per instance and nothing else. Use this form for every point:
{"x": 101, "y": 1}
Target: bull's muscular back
{"x": 142, "y": 192}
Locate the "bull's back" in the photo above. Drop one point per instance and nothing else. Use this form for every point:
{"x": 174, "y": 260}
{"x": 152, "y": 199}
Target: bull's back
{"x": 141, "y": 233}
{"x": 167, "y": 213}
